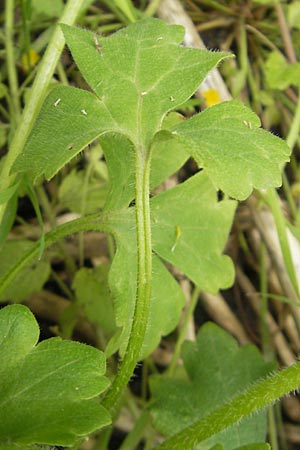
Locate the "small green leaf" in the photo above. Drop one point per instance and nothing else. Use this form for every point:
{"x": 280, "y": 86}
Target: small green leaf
{"x": 279, "y": 73}
{"x": 47, "y": 390}
{"x": 216, "y": 371}
{"x": 47, "y": 9}
{"x": 92, "y": 295}
{"x": 6, "y": 195}
{"x": 293, "y": 15}
{"x": 31, "y": 279}
{"x": 190, "y": 229}
{"x": 81, "y": 195}
{"x": 225, "y": 140}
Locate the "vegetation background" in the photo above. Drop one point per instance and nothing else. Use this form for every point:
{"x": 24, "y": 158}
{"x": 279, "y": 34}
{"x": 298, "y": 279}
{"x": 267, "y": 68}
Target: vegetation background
{"x": 262, "y": 305}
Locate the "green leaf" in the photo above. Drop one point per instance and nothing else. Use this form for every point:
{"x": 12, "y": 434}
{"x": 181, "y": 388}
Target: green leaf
{"x": 47, "y": 390}
{"x": 190, "y": 228}
{"x": 167, "y": 298}
{"x": 81, "y": 195}
{"x": 69, "y": 120}
{"x": 168, "y": 155}
{"x": 293, "y": 14}
{"x": 140, "y": 72}
{"x": 8, "y": 219}
{"x": 47, "y": 9}
{"x": 216, "y": 370}
{"x": 6, "y": 195}
{"x": 225, "y": 140}
{"x": 92, "y": 295}
{"x": 31, "y": 279}
{"x": 279, "y": 73}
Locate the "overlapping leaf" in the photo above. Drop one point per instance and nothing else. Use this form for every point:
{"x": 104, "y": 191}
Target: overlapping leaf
{"x": 167, "y": 299}
{"x": 31, "y": 279}
{"x": 237, "y": 155}
{"x": 190, "y": 228}
{"x": 168, "y": 155}
{"x": 216, "y": 370}
{"x": 47, "y": 390}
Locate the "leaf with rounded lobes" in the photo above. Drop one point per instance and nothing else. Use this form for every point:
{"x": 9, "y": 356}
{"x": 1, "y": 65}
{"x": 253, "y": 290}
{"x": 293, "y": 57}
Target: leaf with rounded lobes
{"x": 47, "y": 390}
{"x": 237, "y": 155}
{"x": 190, "y": 228}
{"x": 216, "y": 369}
{"x": 140, "y": 72}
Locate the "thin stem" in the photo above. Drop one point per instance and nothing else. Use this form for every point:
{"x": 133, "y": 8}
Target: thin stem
{"x": 272, "y": 199}
{"x": 144, "y": 277}
{"x": 93, "y": 222}
{"x": 257, "y": 397}
{"x": 11, "y": 63}
{"x": 285, "y": 34}
{"x": 295, "y": 127}
{"x": 136, "y": 434}
{"x": 182, "y": 334}
{"x": 38, "y": 92}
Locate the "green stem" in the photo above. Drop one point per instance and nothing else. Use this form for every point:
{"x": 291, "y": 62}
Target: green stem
{"x": 93, "y": 222}
{"x": 257, "y": 397}
{"x": 144, "y": 276}
{"x": 295, "y": 127}
{"x": 136, "y": 434}
{"x": 38, "y": 92}
{"x": 182, "y": 334}
{"x": 272, "y": 199}
{"x": 11, "y": 63}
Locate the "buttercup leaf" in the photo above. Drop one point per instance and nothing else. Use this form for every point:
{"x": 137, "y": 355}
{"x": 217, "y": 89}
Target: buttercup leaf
{"x": 47, "y": 390}
{"x": 190, "y": 229}
{"x": 216, "y": 370}
{"x": 132, "y": 92}
{"x": 225, "y": 140}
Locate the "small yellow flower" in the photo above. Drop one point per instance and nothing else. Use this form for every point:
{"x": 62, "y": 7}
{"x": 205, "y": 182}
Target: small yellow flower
{"x": 211, "y": 97}
{"x": 33, "y": 59}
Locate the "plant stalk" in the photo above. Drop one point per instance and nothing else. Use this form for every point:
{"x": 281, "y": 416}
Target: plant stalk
{"x": 93, "y": 222}
{"x": 11, "y": 63}
{"x": 255, "y": 398}
{"x": 144, "y": 277}
{"x": 38, "y": 92}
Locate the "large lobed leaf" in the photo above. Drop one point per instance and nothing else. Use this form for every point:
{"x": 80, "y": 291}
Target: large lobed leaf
{"x": 137, "y": 74}
{"x": 237, "y": 155}
{"x": 47, "y": 390}
{"x": 190, "y": 228}
{"x": 216, "y": 370}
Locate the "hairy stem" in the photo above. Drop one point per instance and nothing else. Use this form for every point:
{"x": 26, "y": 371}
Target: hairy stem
{"x": 144, "y": 275}
{"x": 38, "y": 93}
{"x": 93, "y": 222}
{"x": 255, "y": 398}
